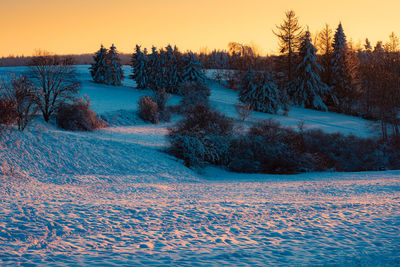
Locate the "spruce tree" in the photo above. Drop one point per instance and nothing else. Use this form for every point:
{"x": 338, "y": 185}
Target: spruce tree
{"x": 341, "y": 77}
{"x": 154, "y": 70}
{"x": 114, "y": 74}
{"x": 260, "y": 92}
{"x": 98, "y": 68}
{"x": 172, "y": 71}
{"x": 308, "y": 90}
{"x": 192, "y": 69}
{"x": 139, "y": 66}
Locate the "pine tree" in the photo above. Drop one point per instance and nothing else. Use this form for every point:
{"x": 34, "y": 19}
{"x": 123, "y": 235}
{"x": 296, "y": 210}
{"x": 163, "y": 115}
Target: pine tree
{"x": 341, "y": 72}
{"x": 260, "y": 92}
{"x": 98, "y": 68}
{"x": 114, "y": 74}
{"x": 308, "y": 90}
{"x": 139, "y": 66}
{"x": 192, "y": 69}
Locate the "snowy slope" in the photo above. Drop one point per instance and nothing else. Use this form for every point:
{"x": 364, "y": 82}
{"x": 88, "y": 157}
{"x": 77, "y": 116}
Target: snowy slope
{"x": 113, "y": 197}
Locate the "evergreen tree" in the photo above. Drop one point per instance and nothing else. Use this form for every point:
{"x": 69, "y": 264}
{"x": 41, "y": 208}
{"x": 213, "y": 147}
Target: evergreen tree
{"x": 172, "y": 71}
{"x": 341, "y": 72}
{"x": 260, "y": 92}
{"x": 192, "y": 69}
{"x": 289, "y": 34}
{"x": 139, "y": 66}
{"x": 114, "y": 74}
{"x": 99, "y": 67}
{"x": 154, "y": 70}
{"x": 308, "y": 90}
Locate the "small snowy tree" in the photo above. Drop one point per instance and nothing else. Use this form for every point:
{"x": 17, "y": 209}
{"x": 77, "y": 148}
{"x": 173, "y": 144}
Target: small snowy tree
{"x": 308, "y": 90}
{"x": 98, "y": 68}
{"x": 260, "y": 92}
{"x": 139, "y": 73}
{"x": 114, "y": 74}
{"x": 192, "y": 69}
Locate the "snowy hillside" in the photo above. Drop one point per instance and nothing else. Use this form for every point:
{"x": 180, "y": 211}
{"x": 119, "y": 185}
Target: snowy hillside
{"x": 114, "y": 197}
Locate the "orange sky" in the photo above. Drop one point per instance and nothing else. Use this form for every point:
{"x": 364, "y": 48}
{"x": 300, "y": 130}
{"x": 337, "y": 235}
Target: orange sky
{"x": 80, "y": 26}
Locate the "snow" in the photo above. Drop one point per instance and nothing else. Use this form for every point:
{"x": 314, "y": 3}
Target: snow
{"x": 114, "y": 197}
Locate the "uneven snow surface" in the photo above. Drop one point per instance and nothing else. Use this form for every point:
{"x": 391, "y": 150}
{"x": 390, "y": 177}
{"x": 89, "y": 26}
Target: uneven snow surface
{"x": 98, "y": 220}
{"x": 114, "y": 197}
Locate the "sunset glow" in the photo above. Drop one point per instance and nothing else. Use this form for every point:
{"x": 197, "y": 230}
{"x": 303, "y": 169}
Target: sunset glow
{"x": 79, "y": 26}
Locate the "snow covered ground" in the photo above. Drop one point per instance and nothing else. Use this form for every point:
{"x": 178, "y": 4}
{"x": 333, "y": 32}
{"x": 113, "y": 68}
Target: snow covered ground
{"x": 114, "y": 197}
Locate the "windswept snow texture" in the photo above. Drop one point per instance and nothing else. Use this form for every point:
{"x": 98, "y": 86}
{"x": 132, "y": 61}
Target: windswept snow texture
{"x": 114, "y": 197}
{"x": 106, "y": 221}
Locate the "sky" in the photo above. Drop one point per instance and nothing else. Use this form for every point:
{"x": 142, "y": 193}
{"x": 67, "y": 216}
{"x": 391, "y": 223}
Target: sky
{"x": 80, "y": 26}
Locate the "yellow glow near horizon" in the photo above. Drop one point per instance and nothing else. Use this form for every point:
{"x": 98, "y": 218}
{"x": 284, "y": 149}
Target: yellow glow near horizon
{"x": 80, "y": 26}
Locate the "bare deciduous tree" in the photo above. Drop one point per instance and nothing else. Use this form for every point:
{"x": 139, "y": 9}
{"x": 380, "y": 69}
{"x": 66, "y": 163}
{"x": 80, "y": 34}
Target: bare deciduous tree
{"x": 55, "y": 81}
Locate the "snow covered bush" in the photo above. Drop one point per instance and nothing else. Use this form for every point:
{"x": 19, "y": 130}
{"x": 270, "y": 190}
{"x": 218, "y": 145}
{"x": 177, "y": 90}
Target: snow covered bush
{"x": 202, "y": 137}
{"x": 78, "y": 116}
{"x": 271, "y": 147}
{"x": 148, "y": 109}
{"x": 275, "y": 149}
{"x": 194, "y": 93}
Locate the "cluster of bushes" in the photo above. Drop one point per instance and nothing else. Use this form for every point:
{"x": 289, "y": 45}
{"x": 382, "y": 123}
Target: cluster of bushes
{"x": 154, "y": 109}
{"x": 207, "y": 137}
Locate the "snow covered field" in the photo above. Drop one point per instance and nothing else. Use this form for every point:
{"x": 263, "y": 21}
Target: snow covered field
{"x": 114, "y": 197}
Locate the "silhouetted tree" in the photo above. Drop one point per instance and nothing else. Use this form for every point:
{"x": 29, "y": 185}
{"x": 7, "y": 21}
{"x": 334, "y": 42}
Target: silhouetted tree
{"x": 289, "y": 34}
{"x": 55, "y": 81}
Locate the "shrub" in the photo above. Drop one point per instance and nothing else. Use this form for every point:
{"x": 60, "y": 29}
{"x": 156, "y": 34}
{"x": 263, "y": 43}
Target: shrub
{"x": 243, "y": 110}
{"x": 203, "y": 136}
{"x": 161, "y": 98}
{"x": 194, "y": 93}
{"x": 8, "y": 114}
{"x": 78, "y": 116}
{"x": 148, "y": 109}
{"x": 22, "y": 93}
